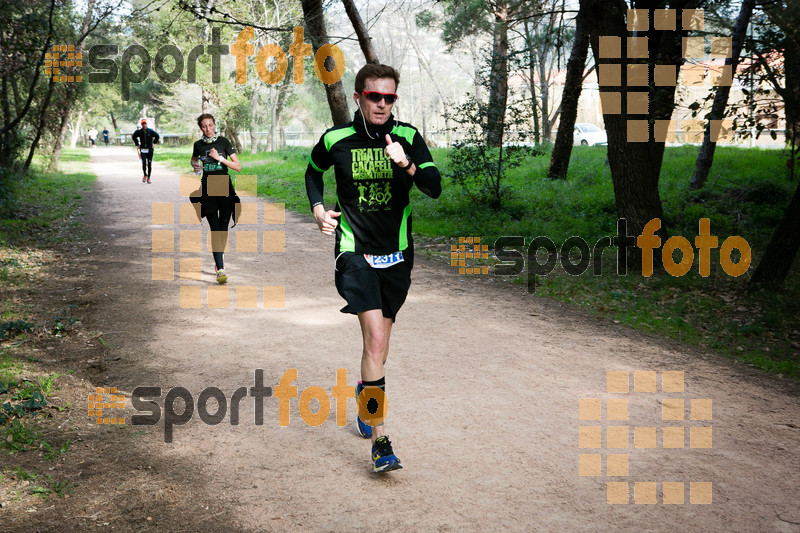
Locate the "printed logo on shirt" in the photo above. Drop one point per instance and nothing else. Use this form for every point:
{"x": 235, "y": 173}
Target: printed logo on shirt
{"x": 372, "y": 164}
{"x": 209, "y": 164}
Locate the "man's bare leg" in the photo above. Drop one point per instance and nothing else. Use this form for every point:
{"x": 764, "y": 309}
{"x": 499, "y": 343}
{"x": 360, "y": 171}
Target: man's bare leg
{"x": 375, "y": 332}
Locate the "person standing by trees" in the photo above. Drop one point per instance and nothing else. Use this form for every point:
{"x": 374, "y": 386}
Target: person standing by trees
{"x": 376, "y": 160}
{"x": 92, "y": 136}
{"x": 105, "y": 136}
{"x": 145, "y": 139}
{"x": 211, "y": 156}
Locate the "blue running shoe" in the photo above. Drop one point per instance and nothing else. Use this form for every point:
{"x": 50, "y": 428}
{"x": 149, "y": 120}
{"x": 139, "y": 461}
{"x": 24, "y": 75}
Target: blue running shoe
{"x": 365, "y": 430}
{"x": 383, "y": 458}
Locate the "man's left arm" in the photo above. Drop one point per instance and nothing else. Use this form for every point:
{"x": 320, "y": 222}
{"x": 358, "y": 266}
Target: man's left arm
{"x": 426, "y": 177}
{"x": 417, "y": 163}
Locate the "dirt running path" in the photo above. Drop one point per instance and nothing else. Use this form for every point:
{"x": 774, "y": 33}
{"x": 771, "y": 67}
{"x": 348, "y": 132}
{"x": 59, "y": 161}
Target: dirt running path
{"x": 483, "y": 384}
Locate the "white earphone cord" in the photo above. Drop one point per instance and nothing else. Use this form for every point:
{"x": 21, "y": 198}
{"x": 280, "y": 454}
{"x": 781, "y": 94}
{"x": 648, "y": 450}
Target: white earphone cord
{"x": 365, "y": 122}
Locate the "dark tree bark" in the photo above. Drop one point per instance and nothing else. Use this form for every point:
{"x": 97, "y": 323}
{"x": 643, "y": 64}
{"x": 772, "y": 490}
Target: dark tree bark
{"x": 785, "y": 242}
{"x": 71, "y": 89}
{"x": 498, "y": 77}
{"x": 254, "y": 120}
{"x": 364, "y": 40}
{"x": 205, "y": 101}
{"x": 315, "y": 24}
{"x": 233, "y": 136}
{"x": 9, "y": 128}
{"x": 706, "y": 156}
{"x": 116, "y": 128}
{"x": 532, "y": 82}
{"x": 559, "y": 159}
{"x": 39, "y": 126}
{"x": 781, "y": 250}
{"x": 636, "y": 163}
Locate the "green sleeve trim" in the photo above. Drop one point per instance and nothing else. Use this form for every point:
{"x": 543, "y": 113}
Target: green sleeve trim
{"x": 311, "y": 162}
{"x": 334, "y": 136}
{"x": 404, "y": 228}
{"x": 405, "y": 132}
{"x": 426, "y": 165}
{"x": 348, "y": 241}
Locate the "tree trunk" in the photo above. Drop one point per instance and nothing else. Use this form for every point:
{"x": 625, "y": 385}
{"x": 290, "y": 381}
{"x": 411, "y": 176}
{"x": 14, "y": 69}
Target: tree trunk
{"x": 72, "y": 90}
{"x": 117, "y": 140}
{"x": 791, "y": 96}
{"x": 39, "y": 127}
{"x": 364, "y": 40}
{"x": 559, "y": 160}
{"x": 254, "y": 120}
{"x": 636, "y": 162}
{"x": 498, "y": 78}
{"x": 544, "y": 94}
{"x": 58, "y": 144}
{"x": 273, "y": 125}
{"x": 532, "y": 83}
{"x": 706, "y": 156}
{"x": 315, "y": 23}
{"x": 8, "y": 132}
{"x": 785, "y": 242}
{"x": 76, "y": 130}
{"x": 781, "y": 250}
{"x": 474, "y": 52}
{"x": 205, "y": 101}
{"x": 6, "y": 94}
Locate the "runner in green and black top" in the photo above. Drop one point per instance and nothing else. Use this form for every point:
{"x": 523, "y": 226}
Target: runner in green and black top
{"x": 376, "y": 160}
{"x": 214, "y": 155}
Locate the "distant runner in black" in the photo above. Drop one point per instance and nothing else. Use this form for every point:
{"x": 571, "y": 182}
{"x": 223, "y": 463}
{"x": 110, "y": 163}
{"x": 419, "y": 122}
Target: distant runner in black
{"x": 214, "y": 155}
{"x": 144, "y": 139}
{"x": 376, "y": 161}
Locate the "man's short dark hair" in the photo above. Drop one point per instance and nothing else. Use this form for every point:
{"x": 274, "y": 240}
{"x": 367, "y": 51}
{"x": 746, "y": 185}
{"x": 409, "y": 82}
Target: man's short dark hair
{"x": 204, "y": 116}
{"x": 376, "y": 70}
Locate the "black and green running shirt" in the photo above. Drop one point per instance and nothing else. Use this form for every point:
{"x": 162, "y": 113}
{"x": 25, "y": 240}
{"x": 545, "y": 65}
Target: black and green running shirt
{"x": 210, "y": 166}
{"x": 372, "y": 193}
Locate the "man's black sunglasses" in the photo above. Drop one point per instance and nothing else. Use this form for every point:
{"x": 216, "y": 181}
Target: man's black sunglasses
{"x": 375, "y": 96}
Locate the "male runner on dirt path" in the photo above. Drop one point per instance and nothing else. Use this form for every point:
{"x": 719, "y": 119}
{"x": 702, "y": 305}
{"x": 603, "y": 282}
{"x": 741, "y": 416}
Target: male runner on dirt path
{"x": 377, "y": 160}
{"x": 145, "y": 139}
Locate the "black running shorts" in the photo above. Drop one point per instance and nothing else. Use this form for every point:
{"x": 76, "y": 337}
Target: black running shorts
{"x": 366, "y": 288}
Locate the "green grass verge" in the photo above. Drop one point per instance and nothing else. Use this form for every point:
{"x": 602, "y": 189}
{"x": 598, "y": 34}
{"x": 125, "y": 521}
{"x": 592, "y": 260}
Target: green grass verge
{"x": 746, "y": 194}
{"x": 47, "y": 207}
{"x": 44, "y": 211}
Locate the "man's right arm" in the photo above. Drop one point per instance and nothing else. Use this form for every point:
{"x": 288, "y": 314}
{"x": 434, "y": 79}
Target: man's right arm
{"x": 318, "y": 162}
